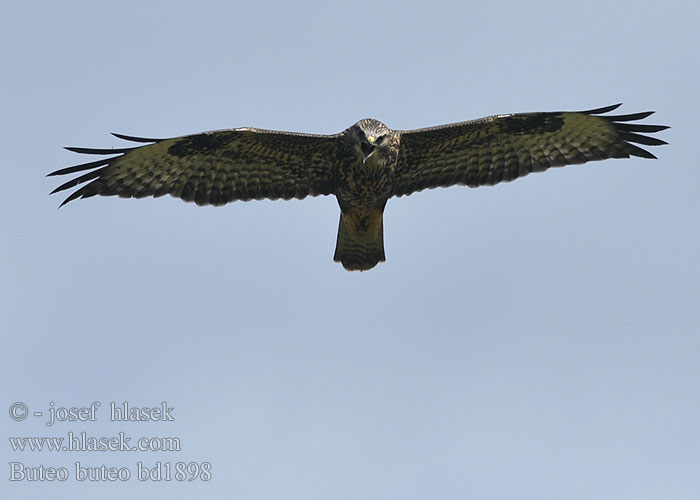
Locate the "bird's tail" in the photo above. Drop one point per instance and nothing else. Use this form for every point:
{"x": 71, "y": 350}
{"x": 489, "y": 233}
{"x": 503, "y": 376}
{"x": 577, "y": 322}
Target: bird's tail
{"x": 360, "y": 243}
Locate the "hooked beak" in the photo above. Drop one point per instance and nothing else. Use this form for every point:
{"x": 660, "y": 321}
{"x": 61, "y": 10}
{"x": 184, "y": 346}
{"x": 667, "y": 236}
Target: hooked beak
{"x": 367, "y": 147}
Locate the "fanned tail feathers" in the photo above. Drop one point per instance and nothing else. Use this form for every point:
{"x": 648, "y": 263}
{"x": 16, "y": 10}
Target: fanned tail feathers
{"x": 360, "y": 243}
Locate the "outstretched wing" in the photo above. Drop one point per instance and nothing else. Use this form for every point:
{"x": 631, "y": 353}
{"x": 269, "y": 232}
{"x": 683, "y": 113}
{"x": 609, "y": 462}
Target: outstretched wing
{"x": 504, "y": 147}
{"x": 212, "y": 168}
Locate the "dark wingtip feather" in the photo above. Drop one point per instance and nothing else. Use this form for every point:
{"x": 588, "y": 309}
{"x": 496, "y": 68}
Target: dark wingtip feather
{"x": 98, "y": 151}
{"x": 79, "y": 168}
{"x": 630, "y": 133}
{"x": 605, "y": 109}
{"x": 104, "y": 163}
{"x": 135, "y": 139}
{"x": 79, "y": 180}
{"x": 638, "y": 127}
{"x": 631, "y": 117}
{"x": 642, "y": 139}
{"x": 71, "y": 198}
{"x": 633, "y": 150}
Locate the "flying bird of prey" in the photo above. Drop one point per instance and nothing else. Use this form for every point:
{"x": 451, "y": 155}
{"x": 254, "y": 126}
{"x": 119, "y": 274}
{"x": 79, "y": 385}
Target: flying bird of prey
{"x": 363, "y": 166}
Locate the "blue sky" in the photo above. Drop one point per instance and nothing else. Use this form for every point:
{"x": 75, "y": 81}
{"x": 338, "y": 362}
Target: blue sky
{"x": 537, "y": 339}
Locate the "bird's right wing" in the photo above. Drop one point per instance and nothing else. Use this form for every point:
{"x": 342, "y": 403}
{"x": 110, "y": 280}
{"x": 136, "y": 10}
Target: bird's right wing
{"x": 212, "y": 168}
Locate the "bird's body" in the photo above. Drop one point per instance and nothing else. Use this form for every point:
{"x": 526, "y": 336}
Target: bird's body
{"x": 364, "y": 182}
{"x": 363, "y": 166}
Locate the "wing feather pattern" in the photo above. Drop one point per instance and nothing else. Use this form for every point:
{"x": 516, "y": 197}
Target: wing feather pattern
{"x": 504, "y": 147}
{"x": 212, "y": 168}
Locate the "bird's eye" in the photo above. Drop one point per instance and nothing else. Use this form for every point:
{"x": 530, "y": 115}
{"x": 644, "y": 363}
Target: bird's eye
{"x": 361, "y": 132}
{"x": 380, "y": 138}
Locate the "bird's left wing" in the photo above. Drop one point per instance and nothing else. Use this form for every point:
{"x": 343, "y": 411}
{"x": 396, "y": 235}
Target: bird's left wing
{"x": 212, "y": 168}
{"x": 504, "y": 147}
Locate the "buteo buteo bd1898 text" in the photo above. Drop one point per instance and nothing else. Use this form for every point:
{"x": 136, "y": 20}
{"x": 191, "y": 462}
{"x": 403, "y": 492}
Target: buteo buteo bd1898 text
{"x": 363, "y": 166}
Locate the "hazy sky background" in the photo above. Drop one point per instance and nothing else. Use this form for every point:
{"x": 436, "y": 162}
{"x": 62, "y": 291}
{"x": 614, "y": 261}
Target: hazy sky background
{"x": 538, "y": 339}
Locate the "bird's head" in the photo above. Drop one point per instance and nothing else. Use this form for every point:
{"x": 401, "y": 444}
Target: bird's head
{"x": 371, "y": 136}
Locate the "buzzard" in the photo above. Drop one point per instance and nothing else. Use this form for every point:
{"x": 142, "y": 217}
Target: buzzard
{"x": 363, "y": 166}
